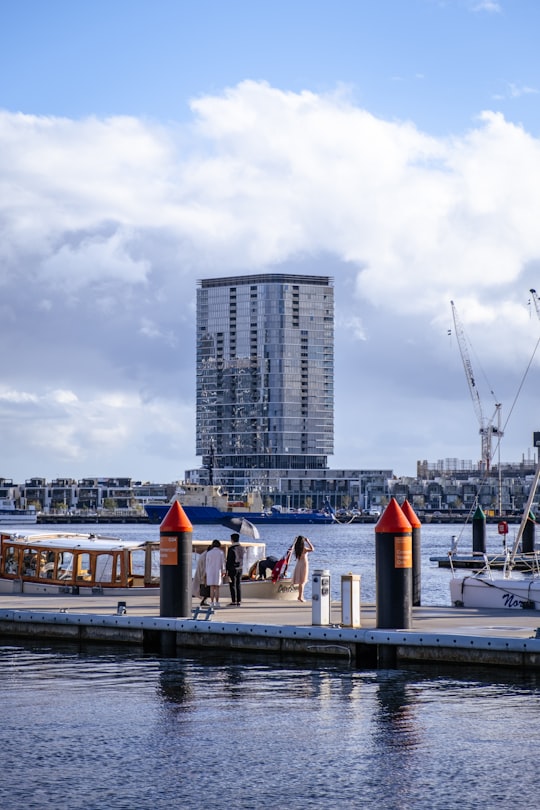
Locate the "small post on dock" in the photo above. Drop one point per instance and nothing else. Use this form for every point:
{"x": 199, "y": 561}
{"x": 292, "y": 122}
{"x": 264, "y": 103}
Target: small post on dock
{"x": 479, "y": 531}
{"x": 175, "y": 555}
{"x": 416, "y": 526}
{"x": 393, "y": 567}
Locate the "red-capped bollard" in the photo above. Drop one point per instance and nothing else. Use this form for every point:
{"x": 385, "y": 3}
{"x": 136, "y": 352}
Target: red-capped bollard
{"x": 412, "y": 517}
{"x": 175, "y": 556}
{"x": 393, "y": 568}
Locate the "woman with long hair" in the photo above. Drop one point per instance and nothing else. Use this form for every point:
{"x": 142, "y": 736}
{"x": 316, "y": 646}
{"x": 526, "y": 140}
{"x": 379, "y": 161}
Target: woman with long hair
{"x": 302, "y": 547}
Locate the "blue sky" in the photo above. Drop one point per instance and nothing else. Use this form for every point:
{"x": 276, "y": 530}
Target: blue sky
{"x": 435, "y": 63}
{"x": 392, "y": 144}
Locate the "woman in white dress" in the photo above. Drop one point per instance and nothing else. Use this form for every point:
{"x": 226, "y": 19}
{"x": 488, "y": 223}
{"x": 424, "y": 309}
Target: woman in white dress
{"x": 199, "y": 580}
{"x": 215, "y": 570}
{"x": 302, "y": 547}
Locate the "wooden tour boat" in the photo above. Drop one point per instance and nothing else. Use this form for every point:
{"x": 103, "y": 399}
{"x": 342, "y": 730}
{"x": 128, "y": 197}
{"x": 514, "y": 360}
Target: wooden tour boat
{"x": 93, "y": 564}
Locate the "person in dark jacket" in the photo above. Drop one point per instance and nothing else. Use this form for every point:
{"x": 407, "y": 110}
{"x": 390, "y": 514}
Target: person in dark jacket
{"x": 235, "y": 566}
{"x": 266, "y": 565}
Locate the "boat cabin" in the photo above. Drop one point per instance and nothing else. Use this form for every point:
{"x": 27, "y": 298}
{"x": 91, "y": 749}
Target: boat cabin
{"x": 86, "y": 560}
{"x": 53, "y": 561}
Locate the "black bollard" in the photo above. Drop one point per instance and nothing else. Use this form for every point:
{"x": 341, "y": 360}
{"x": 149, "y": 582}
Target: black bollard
{"x": 479, "y": 531}
{"x": 175, "y": 555}
{"x": 527, "y": 538}
{"x": 416, "y": 526}
{"x": 393, "y": 568}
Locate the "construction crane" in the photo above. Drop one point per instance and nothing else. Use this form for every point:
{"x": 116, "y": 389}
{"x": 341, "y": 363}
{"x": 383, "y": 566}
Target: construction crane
{"x": 487, "y": 427}
{"x": 535, "y": 302}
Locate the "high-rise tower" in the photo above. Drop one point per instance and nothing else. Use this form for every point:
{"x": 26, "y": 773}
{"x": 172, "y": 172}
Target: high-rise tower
{"x": 265, "y": 374}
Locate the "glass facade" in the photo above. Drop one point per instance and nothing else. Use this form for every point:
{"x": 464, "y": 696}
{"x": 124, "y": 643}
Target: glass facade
{"x": 265, "y": 372}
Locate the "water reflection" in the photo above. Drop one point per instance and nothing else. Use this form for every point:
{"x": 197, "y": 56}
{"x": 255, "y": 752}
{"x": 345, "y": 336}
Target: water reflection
{"x": 174, "y": 686}
{"x": 397, "y": 724}
{"x": 133, "y": 730}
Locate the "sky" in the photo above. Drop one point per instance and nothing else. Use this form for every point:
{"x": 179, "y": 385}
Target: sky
{"x": 145, "y": 144}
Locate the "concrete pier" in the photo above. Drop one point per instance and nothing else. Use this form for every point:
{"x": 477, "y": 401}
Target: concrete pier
{"x": 438, "y": 634}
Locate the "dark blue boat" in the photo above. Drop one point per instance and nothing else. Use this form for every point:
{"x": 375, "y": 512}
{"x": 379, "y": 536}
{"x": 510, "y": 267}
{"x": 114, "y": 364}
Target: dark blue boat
{"x": 211, "y": 515}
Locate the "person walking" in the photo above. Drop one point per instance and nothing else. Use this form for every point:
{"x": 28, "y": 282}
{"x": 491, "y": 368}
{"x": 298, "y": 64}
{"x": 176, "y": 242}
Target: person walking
{"x": 302, "y": 547}
{"x": 215, "y": 569}
{"x": 235, "y": 567}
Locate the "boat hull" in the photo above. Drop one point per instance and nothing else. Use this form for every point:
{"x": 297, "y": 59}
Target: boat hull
{"x": 282, "y": 590}
{"x": 31, "y": 588}
{"x": 14, "y": 519}
{"x": 209, "y": 515}
{"x": 496, "y": 593}
{"x": 36, "y": 563}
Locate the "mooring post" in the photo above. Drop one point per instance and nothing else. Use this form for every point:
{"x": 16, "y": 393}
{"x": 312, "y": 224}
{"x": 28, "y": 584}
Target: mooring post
{"x": 175, "y": 555}
{"x": 416, "y": 526}
{"x": 479, "y": 531}
{"x": 527, "y": 539}
{"x": 393, "y": 567}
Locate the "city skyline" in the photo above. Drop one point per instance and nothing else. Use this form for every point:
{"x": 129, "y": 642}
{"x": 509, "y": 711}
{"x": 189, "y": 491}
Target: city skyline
{"x": 391, "y": 146}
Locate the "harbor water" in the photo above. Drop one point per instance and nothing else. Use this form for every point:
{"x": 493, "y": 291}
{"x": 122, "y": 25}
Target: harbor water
{"x": 101, "y": 727}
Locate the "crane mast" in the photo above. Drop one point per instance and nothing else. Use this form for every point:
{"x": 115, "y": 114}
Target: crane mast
{"x": 535, "y": 302}
{"x": 487, "y": 429}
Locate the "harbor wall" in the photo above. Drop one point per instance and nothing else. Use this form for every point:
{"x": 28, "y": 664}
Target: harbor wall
{"x": 360, "y": 647}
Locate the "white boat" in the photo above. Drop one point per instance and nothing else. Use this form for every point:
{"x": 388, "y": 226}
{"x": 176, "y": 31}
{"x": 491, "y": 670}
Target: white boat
{"x": 10, "y": 515}
{"x": 484, "y": 591}
{"x": 92, "y": 564}
{"x": 508, "y": 589}
{"x": 281, "y": 589}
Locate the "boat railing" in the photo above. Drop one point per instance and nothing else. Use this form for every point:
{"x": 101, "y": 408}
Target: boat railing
{"x": 451, "y": 561}
{"x": 487, "y": 567}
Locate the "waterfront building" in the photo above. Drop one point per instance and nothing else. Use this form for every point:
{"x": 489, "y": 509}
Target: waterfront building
{"x": 265, "y": 393}
{"x": 265, "y": 372}
{"x": 459, "y": 486}
{"x": 265, "y": 381}
{"x": 65, "y": 494}
{"x": 62, "y": 493}
{"x": 35, "y": 493}
{"x": 95, "y": 492}
{"x": 343, "y": 489}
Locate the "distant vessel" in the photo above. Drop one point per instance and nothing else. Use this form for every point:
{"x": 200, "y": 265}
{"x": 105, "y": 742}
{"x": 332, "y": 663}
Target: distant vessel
{"x": 210, "y": 505}
{"x": 10, "y": 515}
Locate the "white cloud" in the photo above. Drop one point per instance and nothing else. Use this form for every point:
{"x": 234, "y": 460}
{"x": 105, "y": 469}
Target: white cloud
{"x": 107, "y": 224}
{"x": 94, "y": 259}
{"x": 516, "y": 91}
{"x": 17, "y": 396}
{"x": 487, "y": 5}
{"x": 64, "y": 397}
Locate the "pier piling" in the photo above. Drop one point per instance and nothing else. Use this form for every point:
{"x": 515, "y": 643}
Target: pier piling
{"x": 175, "y": 554}
{"x": 393, "y": 567}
